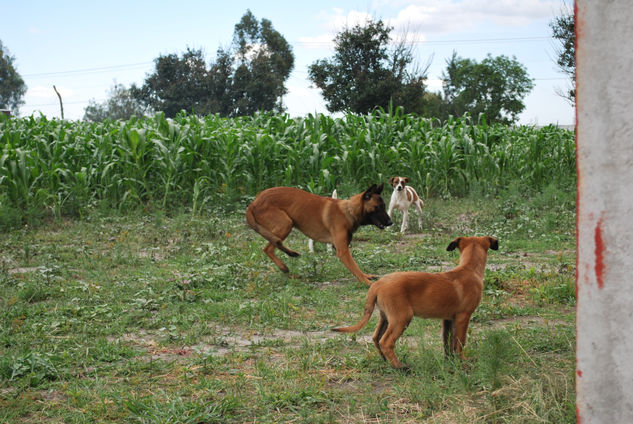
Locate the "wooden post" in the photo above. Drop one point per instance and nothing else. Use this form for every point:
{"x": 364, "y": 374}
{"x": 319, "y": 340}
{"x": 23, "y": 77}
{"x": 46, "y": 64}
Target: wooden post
{"x": 61, "y": 105}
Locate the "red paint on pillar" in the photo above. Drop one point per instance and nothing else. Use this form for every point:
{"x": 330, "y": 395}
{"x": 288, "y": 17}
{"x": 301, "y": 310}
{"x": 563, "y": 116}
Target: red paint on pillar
{"x": 599, "y": 268}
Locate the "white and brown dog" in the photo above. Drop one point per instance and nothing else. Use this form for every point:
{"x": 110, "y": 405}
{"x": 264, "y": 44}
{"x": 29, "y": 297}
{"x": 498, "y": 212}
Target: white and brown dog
{"x": 402, "y": 198}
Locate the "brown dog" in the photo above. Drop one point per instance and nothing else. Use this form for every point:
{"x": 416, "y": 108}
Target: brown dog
{"x": 275, "y": 211}
{"x": 450, "y": 296}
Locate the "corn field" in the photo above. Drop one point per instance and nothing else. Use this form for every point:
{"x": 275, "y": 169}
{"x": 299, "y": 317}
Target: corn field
{"x": 66, "y": 166}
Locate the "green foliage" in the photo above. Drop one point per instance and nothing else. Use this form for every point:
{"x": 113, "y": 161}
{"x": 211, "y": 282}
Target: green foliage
{"x": 246, "y": 78}
{"x": 70, "y": 168}
{"x": 149, "y": 409}
{"x": 563, "y": 30}
{"x": 32, "y": 367}
{"x": 264, "y": 63}
{"x": 120, "y": 105}
{"x": 495, "y": 357}
{"x": 363, "y": 75}
{"x": 12, "y": 86}
{"x": 494, "y": 87}
{"x": 178, "y": 83}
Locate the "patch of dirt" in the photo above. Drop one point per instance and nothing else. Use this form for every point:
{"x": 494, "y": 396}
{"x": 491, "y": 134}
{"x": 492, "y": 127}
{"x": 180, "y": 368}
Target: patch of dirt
{"x": 227, "y": 341}
{"x": 414, "y": 236}
{"x": 7, "y": 390}
{"x": 24, "y": 270}
{"x": 52, "y": 396}
{"x": 153, "y": 253}
{"x": 559, "y": 252}
{"x": 521, "y": 322}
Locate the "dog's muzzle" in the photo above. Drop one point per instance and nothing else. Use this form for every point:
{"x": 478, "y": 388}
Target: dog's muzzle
{"x": 386, "y": 224}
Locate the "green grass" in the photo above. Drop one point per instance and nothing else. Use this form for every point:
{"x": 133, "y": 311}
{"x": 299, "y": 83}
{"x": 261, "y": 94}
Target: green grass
{"x": 179, "y": 317}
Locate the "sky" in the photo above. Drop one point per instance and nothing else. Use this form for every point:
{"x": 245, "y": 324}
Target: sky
{"x": 84, "y": 48}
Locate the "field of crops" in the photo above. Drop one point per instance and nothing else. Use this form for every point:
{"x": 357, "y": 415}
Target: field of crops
{"x": 68, "y": 167}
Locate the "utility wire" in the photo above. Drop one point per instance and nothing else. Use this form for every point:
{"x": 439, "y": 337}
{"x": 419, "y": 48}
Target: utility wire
{"x": 88, "y": 70}
{"x": 311, "y": 43}
{"x": 463, "y": 41}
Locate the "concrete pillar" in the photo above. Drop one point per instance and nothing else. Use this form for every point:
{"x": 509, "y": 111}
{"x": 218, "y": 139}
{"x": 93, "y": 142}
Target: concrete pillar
{"x": 604, "y": 81}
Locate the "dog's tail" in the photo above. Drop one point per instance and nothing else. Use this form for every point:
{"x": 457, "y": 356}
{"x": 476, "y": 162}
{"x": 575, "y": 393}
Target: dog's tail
{"x": 369, "y": 309}
{"x": 273, "y": 239}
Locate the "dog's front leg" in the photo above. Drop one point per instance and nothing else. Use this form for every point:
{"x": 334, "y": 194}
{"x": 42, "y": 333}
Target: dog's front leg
{"x": 461, "y": 329}
{"x": 343, "y": 253}
{"x": 405, "y": 221}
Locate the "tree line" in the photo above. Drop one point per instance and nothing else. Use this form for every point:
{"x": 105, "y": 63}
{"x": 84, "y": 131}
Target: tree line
{"x": 369, "y": 70}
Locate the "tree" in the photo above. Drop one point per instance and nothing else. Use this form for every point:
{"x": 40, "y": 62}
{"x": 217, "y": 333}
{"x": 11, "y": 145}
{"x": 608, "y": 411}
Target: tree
{"x": 495, "y": 87}
{"x": 563, "y": 30}
{"x": 264, "y": 63}
{"x": 120, "y": 105}
{"x": 247, "y": 77}
{"x": 12, "y": 86}
{"x": 365, "y": 74}
{"x": 178, "y": 83}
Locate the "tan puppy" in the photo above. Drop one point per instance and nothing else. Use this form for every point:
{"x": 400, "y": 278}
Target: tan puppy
{"x": 275, "y": 211}
{"x": 450, "y": 296}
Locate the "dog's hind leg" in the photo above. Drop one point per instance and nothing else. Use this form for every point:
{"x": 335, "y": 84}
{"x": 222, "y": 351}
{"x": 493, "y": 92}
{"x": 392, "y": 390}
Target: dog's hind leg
{"x": 447, "y": 336}
{"x": 418, "y": 207}
{"x": 380, "y": 331}
{"x": 270, "y": 251}
{"x": 274, "y": 226}
{"x": 395, "y": 328}
{"x": 275, "y": 232}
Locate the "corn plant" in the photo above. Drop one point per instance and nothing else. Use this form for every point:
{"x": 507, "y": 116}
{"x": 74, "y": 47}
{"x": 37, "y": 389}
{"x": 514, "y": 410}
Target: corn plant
{"x": 189, "y": 160}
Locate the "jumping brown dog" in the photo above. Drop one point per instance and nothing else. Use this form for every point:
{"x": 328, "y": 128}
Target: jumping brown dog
{"x": 275, "y": 211}
{"x": 450, "y": 296}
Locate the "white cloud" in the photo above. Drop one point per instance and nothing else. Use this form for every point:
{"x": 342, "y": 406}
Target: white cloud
{"x": 302, "y": 99}
{"x": 420, "y": 17}
{"x": 319, "y": 42}
{"x": 434, "y": 84}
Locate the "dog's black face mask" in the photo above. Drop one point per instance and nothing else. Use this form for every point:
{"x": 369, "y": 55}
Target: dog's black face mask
{"x": 374, "y": 208}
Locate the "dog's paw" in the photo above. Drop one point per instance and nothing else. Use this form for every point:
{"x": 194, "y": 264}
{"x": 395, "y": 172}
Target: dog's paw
{"x": 372, "y": 277}
{"x": 405, "y": 369}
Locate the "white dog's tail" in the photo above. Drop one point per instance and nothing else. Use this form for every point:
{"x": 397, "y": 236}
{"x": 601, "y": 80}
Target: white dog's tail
{"x": 369, "y": 309}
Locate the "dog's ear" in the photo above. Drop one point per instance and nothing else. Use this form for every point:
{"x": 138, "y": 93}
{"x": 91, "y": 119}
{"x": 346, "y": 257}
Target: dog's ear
{"x": 379, "y": 188}
{"x": 494, "y": 243}
{"x": 454, "y": 244}
{"x": 406, "y": 180}
{"x": 390, "y": 180}
{"x": 371, "y": 190}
